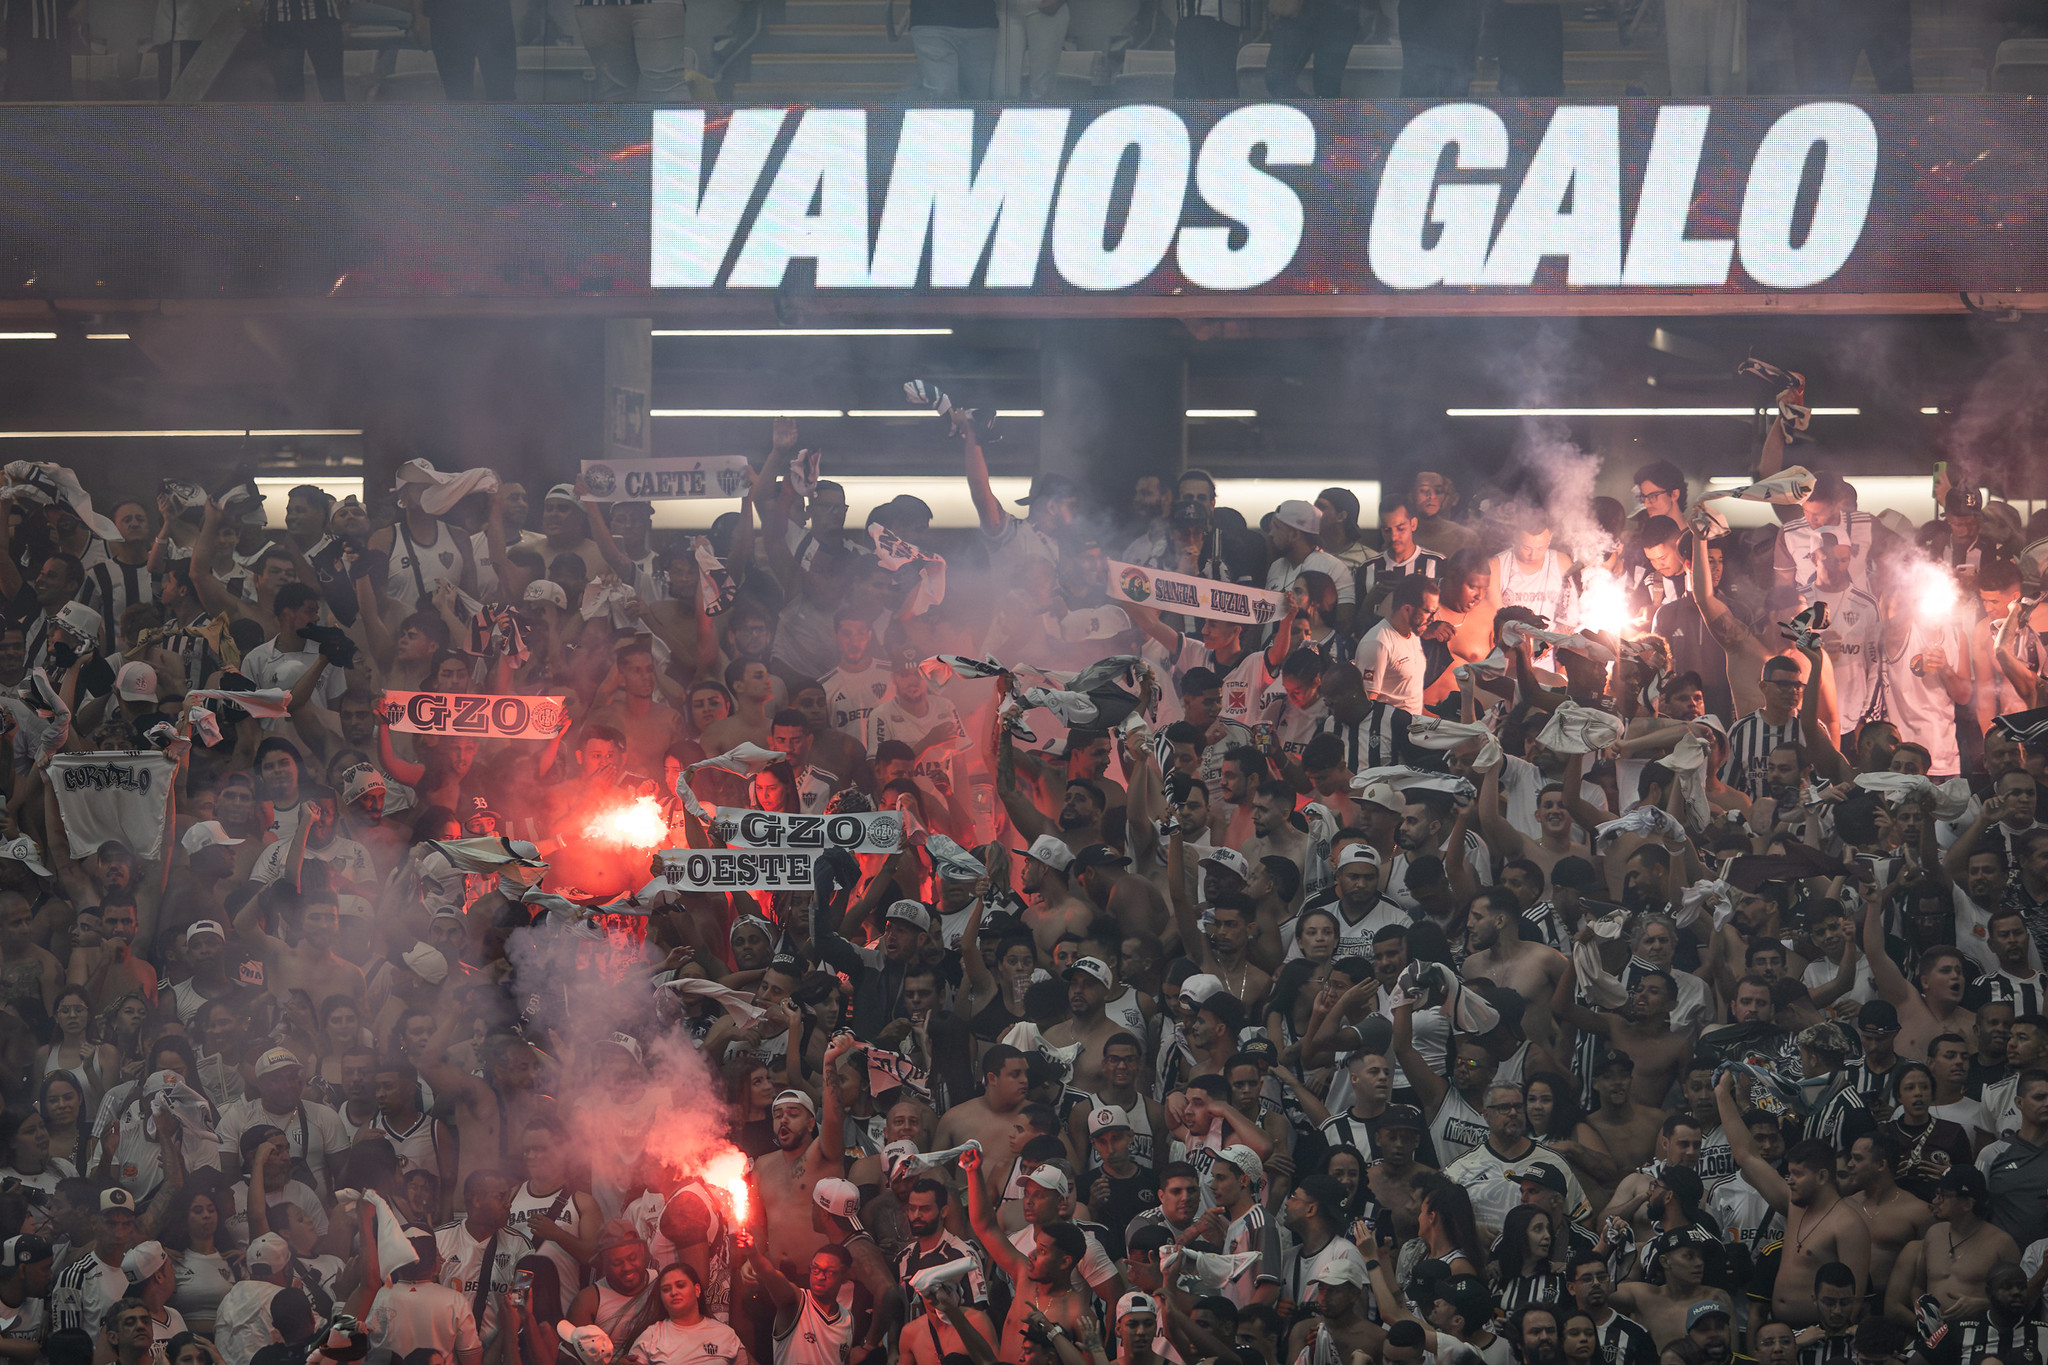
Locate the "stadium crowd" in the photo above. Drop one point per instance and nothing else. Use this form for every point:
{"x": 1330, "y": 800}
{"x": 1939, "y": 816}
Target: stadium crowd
{"x": 1540, "y": 937}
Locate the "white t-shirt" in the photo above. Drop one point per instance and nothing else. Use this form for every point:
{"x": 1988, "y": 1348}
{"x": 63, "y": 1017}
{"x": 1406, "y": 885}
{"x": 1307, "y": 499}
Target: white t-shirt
{"x": 1393, "y": 666}
{"x": 405, "y": 1317}
{"x": 320, "y": 1134}
{"x": 1483, "y": 1173}
{"x": 243, "y": 1327}
{"x": 462, "y": 1267}
{"x": 1522, "y": 782}
{"x": 1920, "y": 706}
{"x": 666, "y": 1343}
{"x": 1280, "y": 575}
{"x": 344, "y": 858}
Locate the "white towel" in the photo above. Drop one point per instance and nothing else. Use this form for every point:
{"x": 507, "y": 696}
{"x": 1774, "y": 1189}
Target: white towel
{"x": 1951, "y": 798}
{"x": 265, "y": 703}
{"x": 437, "y": 492}
{"x": 1434, "y": 732}
{"x": 1575, "y": 729}
{"x": 745, "y": 758}
{"x": 1794, "y": 485}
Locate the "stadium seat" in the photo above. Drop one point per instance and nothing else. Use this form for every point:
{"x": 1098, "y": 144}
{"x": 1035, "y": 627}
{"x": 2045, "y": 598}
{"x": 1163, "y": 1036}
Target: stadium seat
{"x": 1147, "y": 75}
{"x": 2021, "y": 67}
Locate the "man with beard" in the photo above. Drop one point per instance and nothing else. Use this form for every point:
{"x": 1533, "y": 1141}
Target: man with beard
{"x": 1362, "y": 912}
{"x": 1644, "y": 1197}
{"x": 2012, "y": 975}
{"x": 1221, "y": 950}
{"x": 441, "y": 777}
{"x": 616, "y": 1297}
{"x": 931, "y": 1245}
{"x": 1629, "y": 1129}
{"x": 1491, "y": 1172}
{"x": 1107, "y": 880}
{"x": 1055, "y": 911}
{"x": 492, "y": 1110}
{"x": 1044, "y": 1278}
{"x": 1956, "y": 1256}
{"x": 1340, "y": 1329}
{"x": 1623, "y": 1340}
{"x": 787, "y": 1176}
{"x": 1082, "y": 801}
{"x": 1820, "y": 1224}
{"x": 1273, "y": 832}
{"x": 831, "y": 750}
{"x": 1988, "y": 1064}
{"x": 1457, "y": 1116}
{"x": 1642, "y": 1029}
{"x": 1707, "y": 1326}
{"x": 1832, "y": 1340}
{"x": 1426, "y": 826}
{"x": 1496, "y": 952}
{"x": 1669, "y": 1309}
{"x": 1089, "y": 983}
{"x": 1534, "y": 1335}
{"x": 2003, "y": 1330}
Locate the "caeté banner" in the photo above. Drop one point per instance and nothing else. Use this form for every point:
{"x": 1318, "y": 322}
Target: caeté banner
{"x": 710, "y": 476}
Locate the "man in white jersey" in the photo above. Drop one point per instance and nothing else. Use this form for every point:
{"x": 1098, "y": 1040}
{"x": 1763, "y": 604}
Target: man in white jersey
{"x": 1236, "y": 1180}
{"x": 560, "y": 1221}
{"x": 857, "y": 687}
{"x": 812, "y": 1326}
{"x": 480, "y": 1252}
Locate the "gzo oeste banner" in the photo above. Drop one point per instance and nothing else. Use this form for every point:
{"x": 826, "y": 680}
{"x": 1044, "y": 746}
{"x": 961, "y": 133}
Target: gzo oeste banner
{"x": 1269, "y": 198}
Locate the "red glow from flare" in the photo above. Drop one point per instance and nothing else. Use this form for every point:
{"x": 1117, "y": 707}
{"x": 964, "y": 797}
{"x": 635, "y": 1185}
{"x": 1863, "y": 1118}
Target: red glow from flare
{"x": 728, "y": 1171}
{"x": 639, "y": 824}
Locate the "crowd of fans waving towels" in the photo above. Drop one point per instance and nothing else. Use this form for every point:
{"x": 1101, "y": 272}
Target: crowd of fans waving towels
{"x": 1503, "y": 954}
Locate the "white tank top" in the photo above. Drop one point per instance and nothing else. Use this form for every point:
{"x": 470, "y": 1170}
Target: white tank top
{"x": 1126, "y": 1011}
{"x": 415, "y": 1146}
{"x": 413, "y": 565}
{"x": 815, "y": 1339}
{"x": 525, "y": 1204}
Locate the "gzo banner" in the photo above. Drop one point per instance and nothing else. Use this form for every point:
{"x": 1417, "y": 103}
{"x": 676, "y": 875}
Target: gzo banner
{"x": 480, "y": 717}
{"x": 863, "y": 832}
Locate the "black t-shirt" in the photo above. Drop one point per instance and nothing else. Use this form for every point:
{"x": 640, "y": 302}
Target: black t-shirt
{"x": 1129, "y": 1196}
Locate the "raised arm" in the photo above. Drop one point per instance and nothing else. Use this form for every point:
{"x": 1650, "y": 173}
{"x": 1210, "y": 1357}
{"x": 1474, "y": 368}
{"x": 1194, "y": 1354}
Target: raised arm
{"x": 981, "y": 1218}
{"x": 1502, "y": 837}
{"x": 1024, "y": 814}
{"x": 1429, "y": 1087}
{"x": 985, "y": 505}
{"x": 1891, "y": 983}
{"x": 1762, "y": 1176}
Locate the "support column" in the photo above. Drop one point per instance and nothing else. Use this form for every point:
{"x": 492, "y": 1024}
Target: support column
{"x": 1115, "y": 396}
{"x": 628, "y": 386}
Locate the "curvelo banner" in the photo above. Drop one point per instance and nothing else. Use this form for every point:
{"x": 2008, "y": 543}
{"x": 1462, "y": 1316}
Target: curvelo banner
{"x": 709, "y": 476}
{"x": 480, "y": 717}
{"x": 1191, "y": 596}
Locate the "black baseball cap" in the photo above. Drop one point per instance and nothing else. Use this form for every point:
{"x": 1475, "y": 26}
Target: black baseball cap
{"x": 1877, "y": 1017}
{"x": 1050, "y": 486}
{"x": 1544, "y": 1174}
{"x": 1100, "y": 855}
{"x": 1403, "y": 1116}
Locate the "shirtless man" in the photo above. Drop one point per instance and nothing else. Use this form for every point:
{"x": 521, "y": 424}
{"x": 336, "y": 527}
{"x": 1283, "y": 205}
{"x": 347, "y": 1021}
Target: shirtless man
{"x": 1044, "y": 1279}
{"x": 1052, "y": 910}
{"x": 997, "y": 1115}
{"x": 1629, "y": 1129}
{"x": 1937, "y": 1006}
{"x": 1663, "y": 1307}
{"x": 306, "y": 960}
{"x": 1220, "y": 951}
{"x": 1642, "y": 1197}
{"x": 1391, "y": 1173}
{"x": 787, "y": 1176}
{"x": 1820, "y": 1224}
{"x": 1107, "y": 880}
{"x": 752, "y": 689}
{"x": 1642, "y": 1029}
{"x": 1273, "y": 834}
{"x": 1553, "y": 813}
{"x": 1089, "y": 982}
{"x": 1894, "y": 1216}
{"x": 1956, "y": 1255}
{"x": 1498, "y": 954}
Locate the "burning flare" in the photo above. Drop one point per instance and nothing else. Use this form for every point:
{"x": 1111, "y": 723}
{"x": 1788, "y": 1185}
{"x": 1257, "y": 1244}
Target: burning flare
{"x": 728, "y": 1171}
{"x": 1603, "y": 606}
{"x": 1932, "y": 589}
{"x": 637, "y": 824}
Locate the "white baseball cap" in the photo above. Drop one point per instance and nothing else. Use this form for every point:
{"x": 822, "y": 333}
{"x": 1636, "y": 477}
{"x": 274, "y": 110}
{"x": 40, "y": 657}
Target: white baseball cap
{"x": 1200, "y": 987}
{"x": 911, "y": 913}
{"x": 1359, "y": 853}
{"x": 1050, "y": 851}
{"x": 547, "y": 590}
{"x": 277, "y": 1059}
{"x": 1302, "y": 516}
{"x": 1137, "y": 1301}
{"x": 426, "y": 962}
{"x": 1051, "y": 1178}
{"x": 269, "y": 1251}
{"x": 144, "y": 1260}
{"x": 136, "y": 682}
{"x": 1107, "y": 1118}
{"x": 840, "y": 1198}
{"x": 1229, "y": 859}
{"x": 1381, "y": 794}
{"x": 206, "y": 834}
{"x": 204, "y": 926}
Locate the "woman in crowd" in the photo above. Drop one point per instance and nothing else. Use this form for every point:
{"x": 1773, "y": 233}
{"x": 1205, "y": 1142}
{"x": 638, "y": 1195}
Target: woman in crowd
{"x": 76, "y": 1050}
